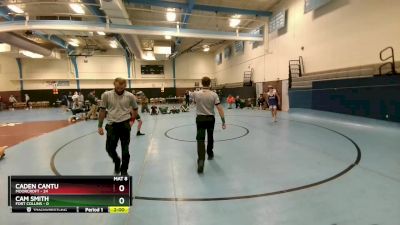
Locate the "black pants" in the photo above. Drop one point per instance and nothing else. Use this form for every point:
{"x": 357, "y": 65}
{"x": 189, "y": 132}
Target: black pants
{"x": 119, "y": 131}
{"x": 205, "y": 123}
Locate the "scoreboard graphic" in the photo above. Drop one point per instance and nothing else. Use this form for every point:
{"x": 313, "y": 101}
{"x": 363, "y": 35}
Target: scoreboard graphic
{"x": 70, "y": 194}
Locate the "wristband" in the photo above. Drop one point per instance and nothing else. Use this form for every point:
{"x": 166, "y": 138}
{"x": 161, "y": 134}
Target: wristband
{"x": 223, "y": 120}
{"x": 100, "y": 124}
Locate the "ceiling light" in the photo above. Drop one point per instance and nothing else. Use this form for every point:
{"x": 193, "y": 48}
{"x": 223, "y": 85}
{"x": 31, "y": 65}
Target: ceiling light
{"x": 74, "y": 42}
{"x": 171, "y": 15}
{"x": 162, "y": 50}
{"x": 206, "y": 48}
{"x": 113, "y": 44}
{"x": 234, "y": 21}
{"x": 15, "y": 9}
{"x": 77, "y": 8}
{"x": 5, "y": 47}
{"x": 149, "y": 55}
{"x": 101, "y": 33}
{"x": 168, "y": 37}
{"x": 30, "y": 54}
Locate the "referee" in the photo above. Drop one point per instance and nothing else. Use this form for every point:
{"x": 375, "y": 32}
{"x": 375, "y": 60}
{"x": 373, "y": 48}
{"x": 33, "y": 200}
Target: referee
{"x": 205, "y": 101}
{"x": 121, "y": 106}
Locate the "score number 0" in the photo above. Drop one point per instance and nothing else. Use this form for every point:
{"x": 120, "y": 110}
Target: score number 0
{"x": 121, "y": 200}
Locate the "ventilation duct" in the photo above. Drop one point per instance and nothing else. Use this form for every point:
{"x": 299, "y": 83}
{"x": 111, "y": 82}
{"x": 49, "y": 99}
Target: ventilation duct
{"x": 24, "y": 44}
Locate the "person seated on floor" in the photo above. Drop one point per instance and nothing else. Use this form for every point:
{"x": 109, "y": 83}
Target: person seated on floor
{"x": 2, "y": 151}
{"x": 242, "y": 103}
{"x": 78, "y": 112}
{"x": 261, "y": 102}
{"x": 174, "y": 110}
{"x": 230, "y": 100}
{"x": 154, "y": 110}
{"x": 164, "y": 110}
{"x": 249, "y": 103}
{"x": 185, "y": 107}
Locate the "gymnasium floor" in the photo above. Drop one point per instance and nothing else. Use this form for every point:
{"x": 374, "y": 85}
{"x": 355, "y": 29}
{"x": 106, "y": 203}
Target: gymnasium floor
{"x": 310, "y": 167}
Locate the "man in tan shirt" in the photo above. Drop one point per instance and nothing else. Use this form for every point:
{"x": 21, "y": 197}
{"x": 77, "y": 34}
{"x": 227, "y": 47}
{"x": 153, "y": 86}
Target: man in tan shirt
{"x": 121, "y": 107}
{"x": 206, "y": 100}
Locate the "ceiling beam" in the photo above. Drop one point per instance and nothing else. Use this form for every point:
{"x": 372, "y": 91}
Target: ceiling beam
{"x": 199, "y": 7}
{"x": 185, "y": 19}
{"x": 125, "y": 29}
{"x": 95, "y": 10}
{"x": 188, "y": 11}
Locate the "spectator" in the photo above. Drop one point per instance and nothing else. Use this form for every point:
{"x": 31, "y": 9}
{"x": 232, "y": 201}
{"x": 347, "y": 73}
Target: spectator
{"x": 249, "y": 103}
{"x": 92, "y": 114}
{"x": 261, "y": 101}
{"x": 81, "y": 99}
{"x": 12, "y": 100}
{"x": 231, "y": 101}
{"x": 164, "y": 110}
{"x": 28, "y": 102}
{"x": 145, "y": 104}
{"x": 187, "y": 97}
{"x": 75, "y": 100}
{"x": 237, "y": 101}
{"x": 184, "y": 107}
{"x": 154, "y": 110}
{"x": 64, "y": 102}
{"x": 69, "y": 97}
{"x": 174, "y": 110}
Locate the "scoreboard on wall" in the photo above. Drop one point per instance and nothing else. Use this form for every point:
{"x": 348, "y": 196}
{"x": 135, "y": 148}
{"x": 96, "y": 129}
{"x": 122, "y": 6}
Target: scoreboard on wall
{"x": 152, "y": 69}
{"x": 70, "y": 194}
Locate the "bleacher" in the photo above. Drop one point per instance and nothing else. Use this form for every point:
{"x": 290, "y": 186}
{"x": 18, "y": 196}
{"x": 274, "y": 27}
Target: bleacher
{"x": 300, "y": 79}
{"x": 40, "y": 104}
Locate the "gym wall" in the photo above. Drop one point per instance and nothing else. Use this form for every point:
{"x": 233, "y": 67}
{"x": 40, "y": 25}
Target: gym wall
{"x": 232, "y": 70}
{"x": 99, "y": 71}
{"x": 374, "y": 97}
{"x": 341, "y": 34}
{"x": 329, "y": 41}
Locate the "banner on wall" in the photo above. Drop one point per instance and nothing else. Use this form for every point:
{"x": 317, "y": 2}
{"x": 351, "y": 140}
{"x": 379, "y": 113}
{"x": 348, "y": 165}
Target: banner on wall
{"x": 63, "y": 83}
{"x": 53, "y": 86}
{"x": 50, "y": 84}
